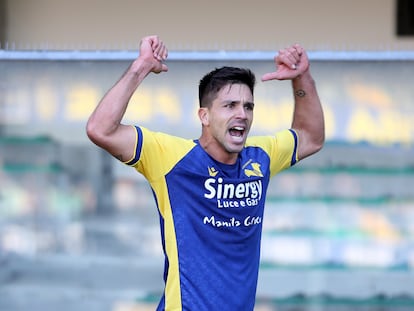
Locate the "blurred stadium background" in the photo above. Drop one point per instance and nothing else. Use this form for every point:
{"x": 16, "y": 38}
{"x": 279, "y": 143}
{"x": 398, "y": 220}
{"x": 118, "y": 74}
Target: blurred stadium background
{"x": 79, "y": 230}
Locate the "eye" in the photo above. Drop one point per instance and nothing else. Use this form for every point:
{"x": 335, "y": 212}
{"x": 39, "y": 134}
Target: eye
{"x": 249, "y": 106}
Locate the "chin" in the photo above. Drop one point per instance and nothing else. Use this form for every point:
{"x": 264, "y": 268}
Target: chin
{"x": 235, "y": 149}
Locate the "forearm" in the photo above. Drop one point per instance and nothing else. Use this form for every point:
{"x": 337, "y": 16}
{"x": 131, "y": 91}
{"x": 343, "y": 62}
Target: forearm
{"x": 108, "y": 114}
{"x": 308, "y": 117}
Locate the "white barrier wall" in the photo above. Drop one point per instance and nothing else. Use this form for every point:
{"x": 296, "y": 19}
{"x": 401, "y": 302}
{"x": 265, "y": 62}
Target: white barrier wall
{"x": 369, "y": 100}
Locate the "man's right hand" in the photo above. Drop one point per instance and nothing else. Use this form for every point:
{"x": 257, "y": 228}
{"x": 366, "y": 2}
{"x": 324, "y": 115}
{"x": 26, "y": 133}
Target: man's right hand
{"x": 154, "y": 52}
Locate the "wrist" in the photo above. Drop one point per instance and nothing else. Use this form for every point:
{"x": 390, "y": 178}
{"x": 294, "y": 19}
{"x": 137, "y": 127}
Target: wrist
{"x": 303, "y": 84}
{"x": 140, "y": 68}
{"x": 303, "y": 77}
{"x": 304, "y": 80}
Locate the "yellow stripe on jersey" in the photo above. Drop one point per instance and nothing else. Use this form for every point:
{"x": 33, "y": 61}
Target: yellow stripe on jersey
{"x": 154, "y": 165}
{"x": 172, "y": 286}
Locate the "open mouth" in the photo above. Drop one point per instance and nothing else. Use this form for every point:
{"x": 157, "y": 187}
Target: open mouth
{"x": 237, "y": 131}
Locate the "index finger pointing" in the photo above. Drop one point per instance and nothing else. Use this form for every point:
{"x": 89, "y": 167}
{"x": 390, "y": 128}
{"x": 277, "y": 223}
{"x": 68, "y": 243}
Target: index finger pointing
{"x": 270, "y": 76}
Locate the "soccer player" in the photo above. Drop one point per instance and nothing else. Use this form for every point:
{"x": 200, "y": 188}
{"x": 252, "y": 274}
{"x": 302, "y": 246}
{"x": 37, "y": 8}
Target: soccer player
{"x": 210, "y": 192}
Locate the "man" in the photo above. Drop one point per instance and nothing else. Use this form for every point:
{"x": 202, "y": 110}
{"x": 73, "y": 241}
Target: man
{"x": 210, "y": 192}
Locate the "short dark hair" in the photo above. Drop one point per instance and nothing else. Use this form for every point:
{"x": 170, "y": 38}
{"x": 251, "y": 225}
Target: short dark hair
{"x": 215, "y": 80}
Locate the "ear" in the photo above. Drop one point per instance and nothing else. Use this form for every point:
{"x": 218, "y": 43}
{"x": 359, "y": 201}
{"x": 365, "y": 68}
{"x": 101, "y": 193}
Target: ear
{"x": 203, "y": 115}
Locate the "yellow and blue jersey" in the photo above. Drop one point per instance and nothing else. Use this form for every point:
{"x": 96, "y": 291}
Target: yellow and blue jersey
{"x": 211, "y": 215}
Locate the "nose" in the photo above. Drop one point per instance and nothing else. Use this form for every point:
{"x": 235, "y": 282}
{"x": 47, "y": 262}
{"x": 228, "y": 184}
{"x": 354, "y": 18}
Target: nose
{"x": 241, "y": 112}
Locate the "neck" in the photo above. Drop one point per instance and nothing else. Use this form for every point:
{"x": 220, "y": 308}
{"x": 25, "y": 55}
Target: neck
{"x": 217, "y": 152}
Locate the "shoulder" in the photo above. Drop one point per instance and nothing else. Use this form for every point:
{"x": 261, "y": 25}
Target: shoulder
{"x": 281, "y": 148}
{"x": 153, "y": 146}
{"x": 160, "y": 139}
{"x": 282, "y": 138}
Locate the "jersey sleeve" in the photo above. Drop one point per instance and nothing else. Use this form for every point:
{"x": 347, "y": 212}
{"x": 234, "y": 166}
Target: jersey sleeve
{"x": 156, "y": 153}
{"x": 281, "y": 148}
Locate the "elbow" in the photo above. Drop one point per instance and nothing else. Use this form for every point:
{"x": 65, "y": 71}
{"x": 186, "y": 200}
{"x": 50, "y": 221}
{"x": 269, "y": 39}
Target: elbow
{"x": 319, "y": 143}
{"x": 93, "y": 133}
{"x": 99, "y": 133}
{"x": 90, "y": 130}
{"x": 310, "y": 146}
{"x": 318, "y": 147}
{"x": 313, "y": 148}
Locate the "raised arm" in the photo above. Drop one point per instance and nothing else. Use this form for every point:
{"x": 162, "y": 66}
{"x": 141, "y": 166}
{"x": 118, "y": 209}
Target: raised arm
{"x": 308, "y": 120}
{"x": 104, "y": 126}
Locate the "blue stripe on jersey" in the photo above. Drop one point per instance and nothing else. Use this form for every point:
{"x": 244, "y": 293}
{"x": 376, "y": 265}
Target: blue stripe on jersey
{"x": 294, "y": 154}
{"x": 137, "y": 148}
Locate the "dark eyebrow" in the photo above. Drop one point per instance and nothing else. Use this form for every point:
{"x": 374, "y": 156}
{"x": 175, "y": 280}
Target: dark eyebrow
{"x": 237, "y": 102}
{"x": 226, "y": 102}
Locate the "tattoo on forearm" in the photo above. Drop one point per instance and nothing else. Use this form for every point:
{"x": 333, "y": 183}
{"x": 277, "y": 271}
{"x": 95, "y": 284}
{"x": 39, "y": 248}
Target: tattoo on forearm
{"x": 300, "y": 93}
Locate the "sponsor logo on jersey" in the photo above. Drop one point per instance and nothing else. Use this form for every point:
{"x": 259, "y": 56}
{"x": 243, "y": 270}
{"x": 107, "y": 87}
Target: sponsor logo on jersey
{"x": 254, "y": 170}
{"x": 212, "y": 171}
{"x": 233, "y": 195}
